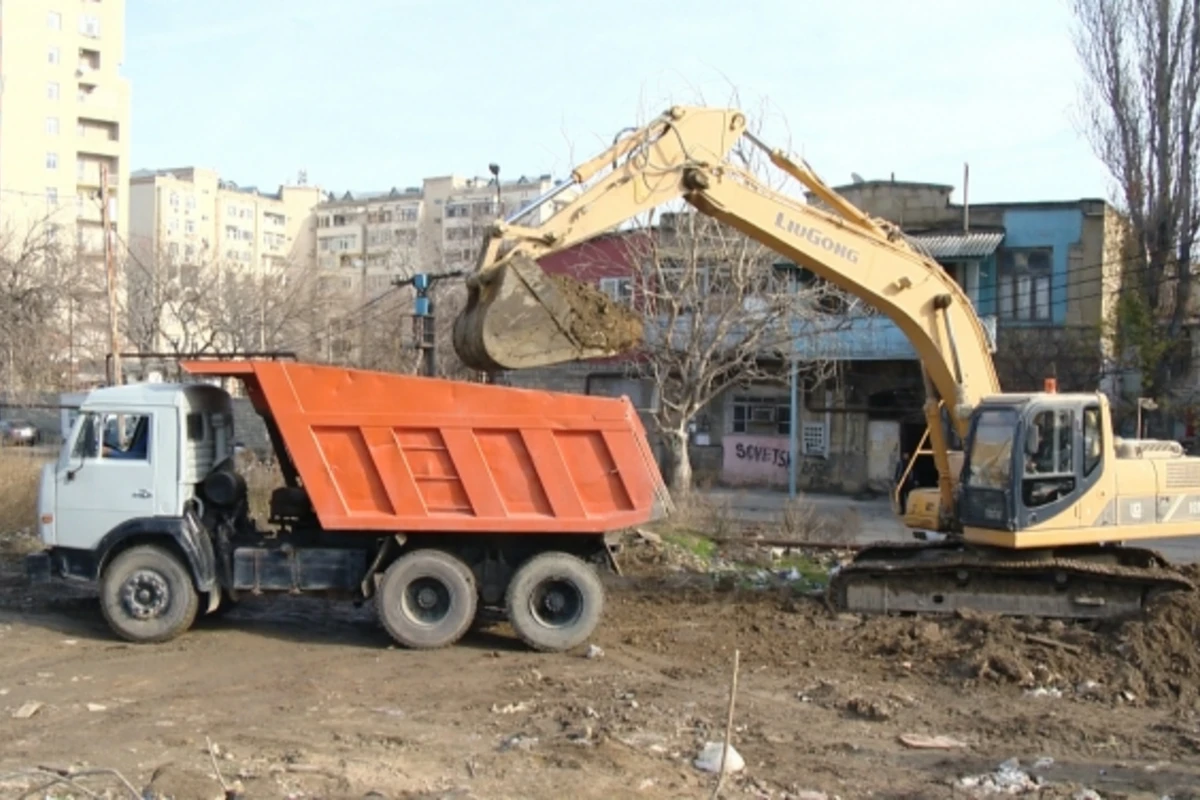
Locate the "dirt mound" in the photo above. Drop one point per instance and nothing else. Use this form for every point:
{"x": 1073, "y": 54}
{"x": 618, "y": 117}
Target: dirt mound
{"x": 598, "y": 321}
{"x": 1154, "y": 659}
{"x": 1164, "y": 648}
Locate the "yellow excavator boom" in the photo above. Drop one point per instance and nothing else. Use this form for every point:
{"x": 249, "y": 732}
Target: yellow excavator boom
{"x": 517, "y": 317}
{"x": 1044, "y": 487}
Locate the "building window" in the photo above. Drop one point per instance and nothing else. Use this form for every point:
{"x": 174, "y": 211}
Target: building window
{"x": 761, "y": 416}
{"x": 51, "y": 160}
{"x": 191, "y": 226}
{"x": 53, "y": 55}
{"x": 52, "y": 196}
{"x": 54, "y": 21}
{"x": 89, "y": 26}
{"x": 1024, "y": 278}
{"x": 174, "y": 200}
{"x": 191, "y": 202}
{"x": 52, "y": 126}
{"x": 619, "y": 289}
{"x": 52, "y": 90}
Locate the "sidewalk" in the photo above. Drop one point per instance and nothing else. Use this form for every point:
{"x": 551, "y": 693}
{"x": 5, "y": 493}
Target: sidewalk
{"x": 867, "y": 520}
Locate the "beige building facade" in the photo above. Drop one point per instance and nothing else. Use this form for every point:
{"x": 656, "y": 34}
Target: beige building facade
{"x": 366, "y": 239}
{"x": 192, "y": 217}
{"x": 64, "y": 115}
{"x": 194, "y": 240}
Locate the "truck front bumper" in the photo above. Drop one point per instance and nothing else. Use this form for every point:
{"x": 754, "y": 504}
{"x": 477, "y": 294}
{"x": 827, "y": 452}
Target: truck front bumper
{"x": 39, "y": 567}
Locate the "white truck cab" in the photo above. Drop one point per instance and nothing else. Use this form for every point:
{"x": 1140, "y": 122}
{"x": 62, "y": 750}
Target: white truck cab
{"x": 128, "y": 475}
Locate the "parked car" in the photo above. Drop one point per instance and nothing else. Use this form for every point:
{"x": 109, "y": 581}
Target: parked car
{"x": 19, "y": 432}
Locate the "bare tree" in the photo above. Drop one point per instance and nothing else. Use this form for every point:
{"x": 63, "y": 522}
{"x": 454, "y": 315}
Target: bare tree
{"x": 394, "y": 335}
{"x": 719, "y": 314}
{"x": 168, "y": 303}
{"x": 36, "y": 275}
{"x": 1142, "y": 65}
{"x": 261, "y": 310}
{"x": 1026, "y": 357}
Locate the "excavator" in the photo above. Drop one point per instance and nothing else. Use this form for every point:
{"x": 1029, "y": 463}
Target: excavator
{"x": 1030, "y": 517}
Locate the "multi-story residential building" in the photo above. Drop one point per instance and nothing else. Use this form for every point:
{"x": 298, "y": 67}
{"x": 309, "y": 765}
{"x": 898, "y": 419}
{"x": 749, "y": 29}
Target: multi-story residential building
{"x": 364, "y": 239}
{"x": 1043, "y": 277}
{"x": 189, "y": 225}
{"x": 191, "y": 217}
{"x": 64, "y": 115}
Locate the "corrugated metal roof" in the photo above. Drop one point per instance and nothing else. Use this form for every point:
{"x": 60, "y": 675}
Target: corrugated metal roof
{"x": 959, "y": 245}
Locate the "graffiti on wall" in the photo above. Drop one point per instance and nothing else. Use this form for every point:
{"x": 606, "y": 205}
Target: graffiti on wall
{"x": 765, "y": 459}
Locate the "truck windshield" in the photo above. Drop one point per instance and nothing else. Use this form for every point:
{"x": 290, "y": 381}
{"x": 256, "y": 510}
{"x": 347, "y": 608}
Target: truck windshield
{"x": 991, "y": 450}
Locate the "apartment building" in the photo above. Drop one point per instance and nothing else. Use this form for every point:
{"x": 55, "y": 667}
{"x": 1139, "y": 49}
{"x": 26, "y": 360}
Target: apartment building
{"x": 64, "y": 118}
{"x": 190, "y": 228}
{"x": 364, "y": 239}
{"x": 191, "y": 217}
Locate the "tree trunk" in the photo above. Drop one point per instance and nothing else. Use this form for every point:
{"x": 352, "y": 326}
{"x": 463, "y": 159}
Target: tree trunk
{"x": 679, "y": 463}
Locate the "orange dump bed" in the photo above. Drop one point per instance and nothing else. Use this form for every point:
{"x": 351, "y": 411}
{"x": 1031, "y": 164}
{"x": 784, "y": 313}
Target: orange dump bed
{"x": 377, "y": 451}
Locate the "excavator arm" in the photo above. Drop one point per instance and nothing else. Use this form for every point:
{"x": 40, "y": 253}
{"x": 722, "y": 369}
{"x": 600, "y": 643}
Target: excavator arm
{"x": 516, "y": 317}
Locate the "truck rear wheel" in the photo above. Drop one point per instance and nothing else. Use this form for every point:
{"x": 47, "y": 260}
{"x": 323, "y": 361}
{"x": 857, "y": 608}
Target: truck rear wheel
{"x": 147, "y": 596}
{"x": 555, "y": 601}
{"x": 427, "y": 599}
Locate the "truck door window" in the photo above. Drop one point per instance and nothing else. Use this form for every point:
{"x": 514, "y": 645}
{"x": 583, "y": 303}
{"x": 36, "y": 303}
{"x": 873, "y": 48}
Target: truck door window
{"x": 127, "y": 437}
{"x": 87, "y": 444}
{"x": 1049, "y": 458}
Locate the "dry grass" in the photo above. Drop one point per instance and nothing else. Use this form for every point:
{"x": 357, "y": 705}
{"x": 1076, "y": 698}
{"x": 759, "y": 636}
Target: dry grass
{"x": 705, "y": 514}
{"x": 18, "y": 497}
{"x": 800, "y": 520}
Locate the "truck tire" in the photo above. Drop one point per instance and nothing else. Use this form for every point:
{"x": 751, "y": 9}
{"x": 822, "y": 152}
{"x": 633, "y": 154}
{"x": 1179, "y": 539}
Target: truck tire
{"x": 427, "y": 599}
{"x": 147, "y": 596}
{"x": 555, "y": 602}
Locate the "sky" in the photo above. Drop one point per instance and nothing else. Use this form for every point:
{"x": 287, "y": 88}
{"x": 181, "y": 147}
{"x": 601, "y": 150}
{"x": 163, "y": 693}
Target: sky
{"x": 370, "y": 94}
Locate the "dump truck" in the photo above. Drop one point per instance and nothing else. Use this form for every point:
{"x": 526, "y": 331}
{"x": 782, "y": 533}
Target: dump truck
{"x": 442, "y": 501}
{"x": 1034, "y": 504}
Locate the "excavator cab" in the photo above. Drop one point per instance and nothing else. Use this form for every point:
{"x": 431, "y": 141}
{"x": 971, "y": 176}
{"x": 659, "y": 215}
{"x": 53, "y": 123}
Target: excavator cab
{"x": 1030, "y": 460}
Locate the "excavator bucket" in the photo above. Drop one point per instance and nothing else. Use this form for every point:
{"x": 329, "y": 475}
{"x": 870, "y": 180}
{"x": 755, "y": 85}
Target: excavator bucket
{"x": 519, "y": 317}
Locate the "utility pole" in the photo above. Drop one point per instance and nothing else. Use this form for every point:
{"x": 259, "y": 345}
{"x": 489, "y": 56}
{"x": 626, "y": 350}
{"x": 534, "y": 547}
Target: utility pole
{"x": 362, "y": 300}
{"x": 110, "y": 269}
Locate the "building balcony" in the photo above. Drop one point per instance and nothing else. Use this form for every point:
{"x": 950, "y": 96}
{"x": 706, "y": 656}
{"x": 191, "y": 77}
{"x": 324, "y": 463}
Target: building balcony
{"x": 99, "y": 145}
{"x": 89, "y": 211}
{"x": 100, "y": 105}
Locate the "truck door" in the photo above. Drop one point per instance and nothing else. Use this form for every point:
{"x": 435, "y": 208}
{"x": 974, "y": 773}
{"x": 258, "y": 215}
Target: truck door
{"x": 107, "y": 477}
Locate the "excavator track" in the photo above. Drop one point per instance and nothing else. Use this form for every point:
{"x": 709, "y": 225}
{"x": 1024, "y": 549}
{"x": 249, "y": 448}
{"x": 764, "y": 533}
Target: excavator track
{"x": 945, "y": 577}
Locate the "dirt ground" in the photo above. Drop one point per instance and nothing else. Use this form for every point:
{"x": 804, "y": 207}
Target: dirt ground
{"x": 307, "y": 698}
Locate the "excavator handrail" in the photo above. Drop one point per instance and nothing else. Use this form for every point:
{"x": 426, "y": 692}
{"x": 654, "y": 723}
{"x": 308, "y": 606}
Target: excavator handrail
{"x": 683, "y": 154}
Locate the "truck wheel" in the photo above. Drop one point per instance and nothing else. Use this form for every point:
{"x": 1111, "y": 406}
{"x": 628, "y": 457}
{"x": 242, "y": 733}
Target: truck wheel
{"x": 147, "y": 595}
{"x": 427, "y": 599}
{"x": 555, "y": 601}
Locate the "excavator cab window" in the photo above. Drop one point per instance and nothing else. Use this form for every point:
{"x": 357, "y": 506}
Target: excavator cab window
{"x": 1049, "y": 473}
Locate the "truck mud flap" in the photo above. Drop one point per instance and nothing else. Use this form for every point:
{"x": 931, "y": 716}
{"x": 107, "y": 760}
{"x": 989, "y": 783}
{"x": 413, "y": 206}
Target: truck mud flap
{"x": 39, "y": 567}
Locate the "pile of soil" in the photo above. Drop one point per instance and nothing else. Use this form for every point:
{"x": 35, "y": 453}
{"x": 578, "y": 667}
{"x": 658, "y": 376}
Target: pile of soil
{"x": 1153, "y": 659}
{"x": 598, "y": 321}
